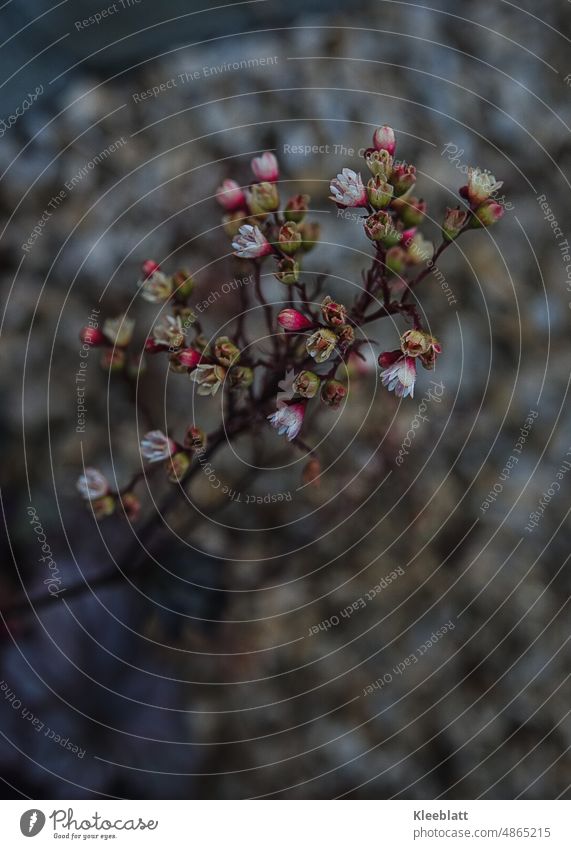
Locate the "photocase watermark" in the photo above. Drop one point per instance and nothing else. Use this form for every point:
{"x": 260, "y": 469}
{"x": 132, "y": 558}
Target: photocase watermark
{"x": 206, "y": 72}
{"x": 37, "y": 724}
{"x": 53, "y": 581}
{"x": 7, "y": 123}
{"x": 435, "y": 394}
{"x": 81, "y": 374}
{"x": 106, "y": 12}
{"x": 232, "y": 286}
{"x": 58, "y": 199}
{"x": 549, "y": 494}
{"x": 455, "y": 154}
{"x": 358, "y": 604}
{"x": 410, "y": 660}
{"x": 234, "y": 494}
{"x": 562, "y": 242}
{"x": 511, "y": 462}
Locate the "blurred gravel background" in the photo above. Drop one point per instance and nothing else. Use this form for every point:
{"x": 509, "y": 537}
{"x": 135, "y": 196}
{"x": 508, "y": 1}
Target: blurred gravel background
{"x": 210, "y": 649}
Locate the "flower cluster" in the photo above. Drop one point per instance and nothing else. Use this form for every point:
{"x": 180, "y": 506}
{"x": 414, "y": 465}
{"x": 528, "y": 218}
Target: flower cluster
{"x": 257, "y": 226}
{"x": 312, "y": 335}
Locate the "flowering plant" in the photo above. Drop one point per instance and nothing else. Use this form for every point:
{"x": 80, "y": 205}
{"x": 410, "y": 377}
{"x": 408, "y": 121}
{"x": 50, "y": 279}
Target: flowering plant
{"x": 310, "y": 335}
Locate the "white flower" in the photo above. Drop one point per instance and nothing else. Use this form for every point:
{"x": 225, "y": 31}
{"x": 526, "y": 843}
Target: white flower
{"x": 169, "y": 332}
{"x": 348, "y": 189}
{"x": 119, "y": 330}
{"x": 400, "y": 377}
{"x": 265, "y": 167}
{"x": 156, "y": 287}
{"x": 481, "y": 184}
{"x": 92, "y": 484}
{"x": 156, "y": 446}
{"x": 288, "y": 420}
{"x": 251, "y": 242}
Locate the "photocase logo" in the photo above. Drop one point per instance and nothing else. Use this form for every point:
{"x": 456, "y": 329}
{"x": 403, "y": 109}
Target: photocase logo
{"x": 32, "y": 822}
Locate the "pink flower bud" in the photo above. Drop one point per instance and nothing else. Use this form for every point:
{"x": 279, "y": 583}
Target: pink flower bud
{"x": 230, "y": 196}
{"x": 92, "y": 336}
{"x": 265, "y": 167}
{"x": 487, "y": 214}
{"x": 152, "y": 347}
{"x": 189, "y": 357}
{"x": 384, "y": 139}
{"x": 149, "y": 267}
{"x": 291, "y": 319}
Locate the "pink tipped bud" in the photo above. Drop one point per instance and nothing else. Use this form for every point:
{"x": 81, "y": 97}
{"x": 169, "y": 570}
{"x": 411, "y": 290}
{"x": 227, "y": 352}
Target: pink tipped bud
{"x": 487, "y": 214}
{"x": 189, "y": 357}
{"x": 149, "y": 267}
{"x": 293, "y": 320}
{"x": 92, "y": 336}
{"x": 230, "y": 196}
{"x": 265, "y": 167}
{"x": 152, "y": 347}
{"x": 384, "y": 139}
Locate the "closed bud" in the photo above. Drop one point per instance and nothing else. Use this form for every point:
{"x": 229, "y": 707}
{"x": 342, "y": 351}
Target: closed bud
{"x": 403, "y": 179}
{"x": 454, "y": 221}
{"x": 296, "y": 208}
{"x": 333, "y": 392}
{"x": 92, "y": 336}
{"x": 289, "y": 238}
{"x": 149, "y": 267}
{"x": 379, "y": 192}
{"x": 291, "y": 319}
{"x": 487, "y": 214}
{"x": 311, "y": 472}
{"x": 321, "y": 344}
{"x": 265, "y": 167}
{"x": 379, "y": 227}
{"x": 183, "y": 284}
{"x": 177, "y": 466}
{"x": 131, "y": 505}
{"x": 233, "y": 222}
{"x": 396, "y": 260}
{"x": 310, "y": 232}
{"x": 288, "y": 271}
{"x": 230, "y": 196}
{"x": 263, "y": 198}
{"x": 226, "y": 351}
{"x": 113, "y": 359}
{"x": 152, "y": 347}
{"x": 384, "y": 139}
{"x": 306, "y": 384}
{"x": 411, "y": 211}
{"x": 345, "y": 335}
{"x": 334, "y": 314}
{"x": 379, "y": 163}
{"x": 241, "y": 377}
{"x": 189, "y": 357}
{"x": 175, "y": 366}
{"x": 195, "y": 439}
{"x": 103, "y": 507}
